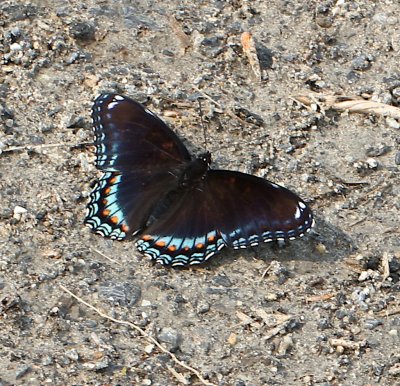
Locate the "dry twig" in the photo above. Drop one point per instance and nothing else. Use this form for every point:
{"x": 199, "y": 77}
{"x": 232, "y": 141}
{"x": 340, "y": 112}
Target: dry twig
{"x": 227, "y": 111}
{"x": 352, "y": 104}
{"x": 141, "y": 332}
{"x": 105, "y": 256}
{"x": 42, "y": 146}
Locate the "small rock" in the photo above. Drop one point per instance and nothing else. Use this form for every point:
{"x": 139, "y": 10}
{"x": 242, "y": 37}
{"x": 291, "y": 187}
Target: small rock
{"x": 391, "y": 122}
{"x": 396, "y": 92}
{"x": 364, "y": 275}
{"x": 15, "y": 47}
{"x": 149, "y": 348}
{"x": 146, "y": 303}
{"x": 232, "y": 339}
{"x": 47, "y": 360}
{"x": 285, "y": 345}
{"x": 19, "y": 212}
{"x": 371, "y": 324}
{"x": 222, "y": 280}
{"x": 203, "y": 307}
{"x": 22, "y": 371}
{"x": 72, "y": 354}
{"x": 83, "y": 30}
{"x": 377, "y": 151}
{"x": 372, "y": 163}
{"x": 362, "y": 62}
{"x": 125, "y": 294}
{"x": 171, "y": 337}
{"x": 395, "y": 370}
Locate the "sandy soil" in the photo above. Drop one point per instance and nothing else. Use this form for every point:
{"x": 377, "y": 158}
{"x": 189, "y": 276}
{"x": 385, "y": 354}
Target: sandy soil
{"x": 323, "y": 310}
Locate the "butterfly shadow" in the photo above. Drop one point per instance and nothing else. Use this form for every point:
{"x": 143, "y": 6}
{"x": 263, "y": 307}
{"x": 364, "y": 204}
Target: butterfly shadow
{"x": 324, "y": 243}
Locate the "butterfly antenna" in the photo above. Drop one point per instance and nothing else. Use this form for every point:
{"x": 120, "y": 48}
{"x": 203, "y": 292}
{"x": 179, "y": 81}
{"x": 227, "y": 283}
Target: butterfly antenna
{"x": 203, "y": 125}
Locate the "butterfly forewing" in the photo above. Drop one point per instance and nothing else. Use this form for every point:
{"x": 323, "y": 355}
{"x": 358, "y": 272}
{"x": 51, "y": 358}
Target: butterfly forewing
{"x": 128, "y": 136}
{"x": 141, "y": 157}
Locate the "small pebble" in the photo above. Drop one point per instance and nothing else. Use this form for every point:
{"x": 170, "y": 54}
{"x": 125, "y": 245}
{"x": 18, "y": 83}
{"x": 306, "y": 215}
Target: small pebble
{"x": 22, "y": 371}
{"x": 171, "y": 337}
{"x": 371, "y": 324}
{"x": 393, "y": 123}
{"x": 362, "y": 62}
{"x": 149, "y": 348}
{"x": 232, "y": 339}
{"x": 83, "y": 31}
{"x": 19, "y": 212}
{"x": 372, "y": 163}
{"x": 72, "y": 354}
{"x": 320, "y": 248}
{"x": 396, "y": 92}
{"x": 203, "y": 307}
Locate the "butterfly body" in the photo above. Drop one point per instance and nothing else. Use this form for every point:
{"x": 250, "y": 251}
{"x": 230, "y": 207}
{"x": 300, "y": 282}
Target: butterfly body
{"x": 183, "y": 211}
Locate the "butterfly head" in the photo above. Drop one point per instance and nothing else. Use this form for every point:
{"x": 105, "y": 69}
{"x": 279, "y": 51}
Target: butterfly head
{"x": 205, "y": 158}
{"x": 196, "y": 169}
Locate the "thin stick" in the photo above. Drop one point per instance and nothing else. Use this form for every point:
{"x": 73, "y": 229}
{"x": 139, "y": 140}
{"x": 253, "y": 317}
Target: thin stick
{"x": 142, "y": 332}
{"x": 105, "y": 256}
{"x": 227, "y": 111}
{"x": 43, "y": 146}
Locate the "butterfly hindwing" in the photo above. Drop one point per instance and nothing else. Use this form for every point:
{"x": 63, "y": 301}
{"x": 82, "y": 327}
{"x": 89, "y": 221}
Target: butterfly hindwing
{"x": 121, "y": 203}
{"x": 186, "y": 233}
{"x": 227, "y": 209}
{"x": 252, "y": 210}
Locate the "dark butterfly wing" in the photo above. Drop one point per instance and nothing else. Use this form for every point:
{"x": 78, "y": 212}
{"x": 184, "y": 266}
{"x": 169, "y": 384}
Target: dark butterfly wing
{"x": 130, "y": 137}
{"x": 140, "y": 156}
{"x": 228, "y": 209}
{"x": 256, "y": 210}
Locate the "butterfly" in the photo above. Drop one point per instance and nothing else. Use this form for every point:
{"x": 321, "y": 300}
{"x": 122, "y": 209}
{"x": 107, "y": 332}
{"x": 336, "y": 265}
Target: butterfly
{"x": 182, "y": 211}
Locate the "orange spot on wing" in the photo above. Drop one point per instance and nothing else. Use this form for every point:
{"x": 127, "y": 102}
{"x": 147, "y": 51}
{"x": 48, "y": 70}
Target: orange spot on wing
{"x": 105, "y": 212}
{"x": 211, "y": 238}
{"x": 113, "y": 180}
{"x": 107, "y": 190}
{"x": 186, "y": 249}
{"x": 114, "y": 219}
{"x": 105, "y": 201}
{"x": 124, "y": 228}
{"x": 172, "y": 248}
{"x": 200, "y": 246}
{"x": 160, "y": 244}
{"x": 147, "y": 238}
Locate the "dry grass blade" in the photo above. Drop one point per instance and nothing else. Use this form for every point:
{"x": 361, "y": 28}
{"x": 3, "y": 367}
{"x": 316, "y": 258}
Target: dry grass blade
{"x": 143, "y": 333}
{"x": 180, "y": 34}
{"x": 42, "y": 146}
{"x": 178, "y": 376}
{"x": 105, "y": 256}
{"x": 318, "y": 298}
{"x": 249, "y": 48}
{"x": 350, "y": 104}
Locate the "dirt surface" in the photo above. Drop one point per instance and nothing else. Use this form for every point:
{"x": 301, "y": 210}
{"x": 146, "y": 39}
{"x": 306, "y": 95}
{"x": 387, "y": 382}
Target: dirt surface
{"x": 323, "y": 310}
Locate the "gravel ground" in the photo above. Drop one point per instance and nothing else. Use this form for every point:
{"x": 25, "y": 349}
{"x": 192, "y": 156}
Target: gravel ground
{"x": 323, "y": 310}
